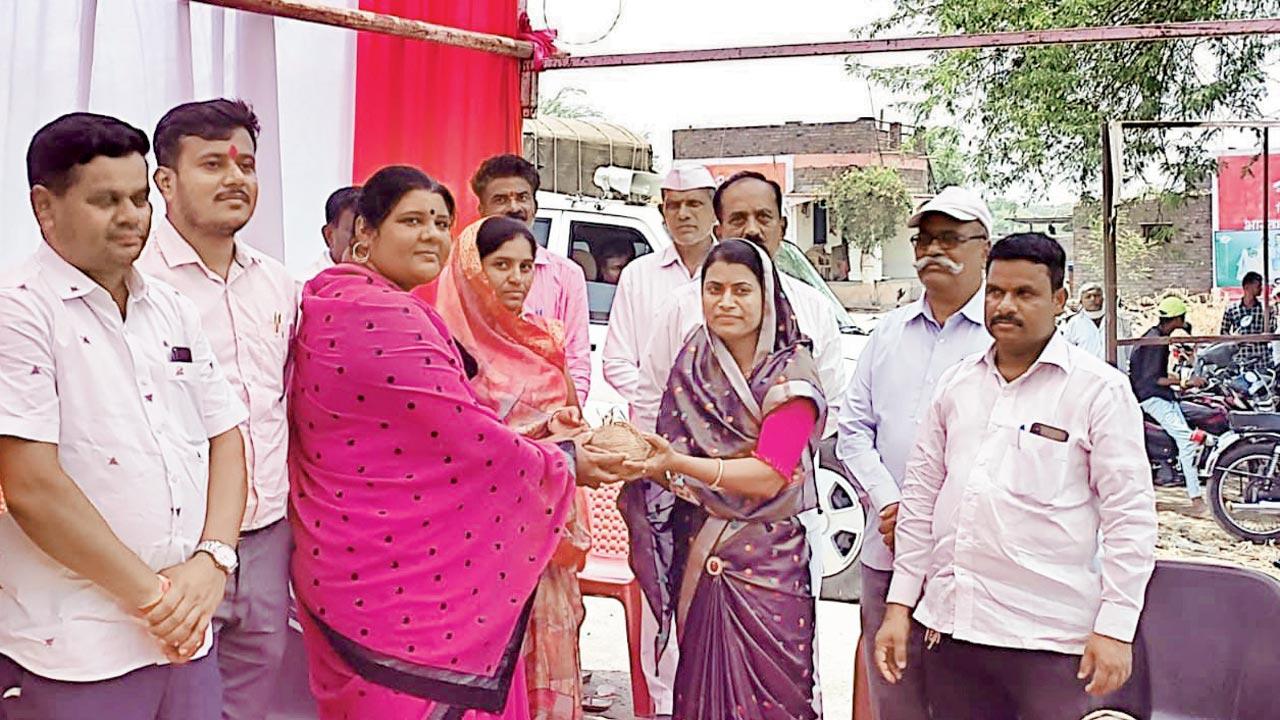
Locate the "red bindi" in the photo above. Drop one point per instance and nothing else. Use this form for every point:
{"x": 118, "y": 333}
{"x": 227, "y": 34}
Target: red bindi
{"x": 233, "y": 152}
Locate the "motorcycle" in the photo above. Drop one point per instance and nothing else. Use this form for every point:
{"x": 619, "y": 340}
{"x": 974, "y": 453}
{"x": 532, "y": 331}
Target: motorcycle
{"x": 1243, "y": 468}
{"x": 1207, "y": 417}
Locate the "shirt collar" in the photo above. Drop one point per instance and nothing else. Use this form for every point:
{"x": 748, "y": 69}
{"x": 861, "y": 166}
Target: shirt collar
{"x": 974, "y": 310}
{"x": 178, "y": 252}
{"x": 69, "y": 282}
{"x": 668, "y": 256}
{"x": 541, "y": 257}
{"x": 1057, "y": 352}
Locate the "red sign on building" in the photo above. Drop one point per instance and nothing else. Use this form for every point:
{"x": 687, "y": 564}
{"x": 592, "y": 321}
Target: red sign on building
{"x": 1240, "y": 192}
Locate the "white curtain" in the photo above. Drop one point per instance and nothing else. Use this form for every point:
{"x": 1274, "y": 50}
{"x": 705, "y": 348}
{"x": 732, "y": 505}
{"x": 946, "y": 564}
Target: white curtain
{"x": 135, "y": 59}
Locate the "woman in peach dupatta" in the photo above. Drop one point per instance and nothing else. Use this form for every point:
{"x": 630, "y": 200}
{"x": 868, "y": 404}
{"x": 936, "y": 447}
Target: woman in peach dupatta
{"x": 521, "y": 375}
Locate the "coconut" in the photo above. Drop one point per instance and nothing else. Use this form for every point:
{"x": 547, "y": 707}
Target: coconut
{"x": 623, "y": 438}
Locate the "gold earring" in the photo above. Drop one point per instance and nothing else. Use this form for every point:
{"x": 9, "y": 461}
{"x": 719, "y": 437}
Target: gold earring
{"x": 360, "y": 252}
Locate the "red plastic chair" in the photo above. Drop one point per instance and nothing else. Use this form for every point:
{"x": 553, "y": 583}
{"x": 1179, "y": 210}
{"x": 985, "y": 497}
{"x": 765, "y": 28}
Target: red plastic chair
{"x": 608, "y": 574}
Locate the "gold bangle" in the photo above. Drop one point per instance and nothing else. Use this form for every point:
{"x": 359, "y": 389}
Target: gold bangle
{"x": 715, "y": 485}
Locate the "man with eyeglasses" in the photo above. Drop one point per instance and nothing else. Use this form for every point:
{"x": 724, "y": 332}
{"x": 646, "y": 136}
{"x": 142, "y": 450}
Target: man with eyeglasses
{"x": 890, "y": 394}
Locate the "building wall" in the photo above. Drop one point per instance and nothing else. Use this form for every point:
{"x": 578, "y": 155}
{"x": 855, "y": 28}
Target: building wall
{"x": 1184, "y": 261}
{"x": 793, "y": 138}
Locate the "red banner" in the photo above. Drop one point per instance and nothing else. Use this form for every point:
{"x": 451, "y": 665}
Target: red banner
{"x": 1240, "y": 192}
{"x": 443, "y": 109}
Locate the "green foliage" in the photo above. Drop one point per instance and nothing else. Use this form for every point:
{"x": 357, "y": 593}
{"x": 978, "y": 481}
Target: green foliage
{"x": 868, "y": 205}
{"x": 1034, "y": 113}
{"x": 567, "y": 103}
{"x": 948, "y": 162}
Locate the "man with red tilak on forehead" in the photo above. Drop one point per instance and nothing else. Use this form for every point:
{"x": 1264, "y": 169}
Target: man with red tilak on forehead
{"x": 207, "y": 173}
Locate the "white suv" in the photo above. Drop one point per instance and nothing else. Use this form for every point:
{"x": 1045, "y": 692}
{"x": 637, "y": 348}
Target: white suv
{"x": 572, "y": 226}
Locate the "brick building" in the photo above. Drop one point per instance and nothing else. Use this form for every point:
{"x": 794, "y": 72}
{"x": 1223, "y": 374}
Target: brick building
{"x": 1179, "y": 240}
{"x": 802, "y": 157}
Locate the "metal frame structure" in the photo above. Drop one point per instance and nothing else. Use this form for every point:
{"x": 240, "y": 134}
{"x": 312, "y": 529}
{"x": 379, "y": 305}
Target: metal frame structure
{"x": 1112, "y": 144}
{"x": 311, "y": 11}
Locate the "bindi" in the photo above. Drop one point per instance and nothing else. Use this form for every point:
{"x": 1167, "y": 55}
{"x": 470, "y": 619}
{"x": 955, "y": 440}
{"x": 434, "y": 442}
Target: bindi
{"x": 232, "y": 152}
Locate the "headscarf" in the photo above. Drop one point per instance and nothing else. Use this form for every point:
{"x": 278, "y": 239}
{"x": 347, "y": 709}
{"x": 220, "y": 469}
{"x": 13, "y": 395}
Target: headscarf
{"x": 522, "y": 361}
{"x": 710, "y": 409}
{"x": 421, "y": 521}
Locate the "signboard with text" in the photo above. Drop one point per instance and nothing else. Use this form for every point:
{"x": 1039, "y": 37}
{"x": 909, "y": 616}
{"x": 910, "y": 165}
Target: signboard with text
{"x": 1238, "y": 214}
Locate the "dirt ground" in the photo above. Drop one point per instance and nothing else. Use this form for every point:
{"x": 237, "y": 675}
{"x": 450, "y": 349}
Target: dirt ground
{"x": 1186, "y": 537}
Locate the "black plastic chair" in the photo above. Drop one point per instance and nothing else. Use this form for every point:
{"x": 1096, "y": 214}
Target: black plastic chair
{"x": 1208, "y": 646}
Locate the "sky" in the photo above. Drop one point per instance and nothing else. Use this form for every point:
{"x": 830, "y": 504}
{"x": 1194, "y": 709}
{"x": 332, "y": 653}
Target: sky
{"x": 655, "y": 100}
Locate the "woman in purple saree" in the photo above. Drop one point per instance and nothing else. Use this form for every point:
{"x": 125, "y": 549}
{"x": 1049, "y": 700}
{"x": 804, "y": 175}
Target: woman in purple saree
{"x": 421, "y": 521}
{"x": 737, "y": 431}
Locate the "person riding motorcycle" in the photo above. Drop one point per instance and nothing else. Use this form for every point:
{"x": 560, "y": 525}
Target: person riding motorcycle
{"x": 1153, "y": 384}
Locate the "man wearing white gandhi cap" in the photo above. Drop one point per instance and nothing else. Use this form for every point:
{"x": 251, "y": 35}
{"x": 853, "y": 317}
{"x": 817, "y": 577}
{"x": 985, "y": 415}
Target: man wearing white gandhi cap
{"x": 1087, "y": 329}
{"x": 646, "y": 284}
{"x": 648, "y": 281}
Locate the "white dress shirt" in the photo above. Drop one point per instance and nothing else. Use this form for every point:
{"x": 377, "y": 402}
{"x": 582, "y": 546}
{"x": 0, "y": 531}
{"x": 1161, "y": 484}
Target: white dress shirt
{"x": 889, "y": 397}
{"x": 1027, "y": 518}
{"x": 682, "y": 315}
{"x": 131, "y": 404}
{"x": 647, "y": 283}
{"x": 249, "y": 320}
{"x": 1084, "y": 333}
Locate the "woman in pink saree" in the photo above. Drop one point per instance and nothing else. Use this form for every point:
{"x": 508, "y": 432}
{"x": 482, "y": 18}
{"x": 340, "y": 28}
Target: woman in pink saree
{"x": 422, "y": 522}
{"x": 521, "y": 375}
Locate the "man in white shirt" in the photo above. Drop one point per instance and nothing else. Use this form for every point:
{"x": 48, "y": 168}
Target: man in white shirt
{"x": 890, "y": 393}
{"x": 123, "y": 466}
{"x": 338, "y": 229}
{"x": 649, "y": 281}
{"x": 207, "y": 172}
{"x": 1087, "y": 329}
{"x": 646, "y": 284}
{"x": 1027, "y": 529}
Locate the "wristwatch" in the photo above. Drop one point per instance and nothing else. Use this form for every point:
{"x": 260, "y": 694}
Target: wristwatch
{"x": 224, "y": 556}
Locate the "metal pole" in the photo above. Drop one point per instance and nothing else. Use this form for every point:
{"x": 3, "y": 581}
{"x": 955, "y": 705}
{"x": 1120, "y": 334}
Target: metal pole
{"x": 1064, "y": 36}
{"x": 1109, "y": 242}
{"x": 310, "y": 11}
{"x": 1266, "y": 230}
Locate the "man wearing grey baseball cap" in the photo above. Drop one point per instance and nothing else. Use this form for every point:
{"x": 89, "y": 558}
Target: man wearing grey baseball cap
{"x": 890, "y": 394}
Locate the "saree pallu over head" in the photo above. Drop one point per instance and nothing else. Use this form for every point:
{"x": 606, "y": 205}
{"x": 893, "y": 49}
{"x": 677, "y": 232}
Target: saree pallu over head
{"x": 710, "y": 409}
{"x": 522, "y": 363}
{"x": 421, "y": 521}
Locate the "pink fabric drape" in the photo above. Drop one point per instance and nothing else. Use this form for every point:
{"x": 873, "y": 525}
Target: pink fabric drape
{"x": 443, "y": 109}
{"x": 421, "y": 521}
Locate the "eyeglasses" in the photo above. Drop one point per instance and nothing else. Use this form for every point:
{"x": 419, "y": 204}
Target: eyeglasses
{"x": 946, "y": 241}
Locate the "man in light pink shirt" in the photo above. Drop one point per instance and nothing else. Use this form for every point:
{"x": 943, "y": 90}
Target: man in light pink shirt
{"x": 508, "y": 185}
{"x": 1027, "y": 527}
{"x": 247, "y": 302}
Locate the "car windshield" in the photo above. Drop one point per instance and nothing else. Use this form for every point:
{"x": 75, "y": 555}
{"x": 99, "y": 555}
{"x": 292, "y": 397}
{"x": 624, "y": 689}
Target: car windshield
{"x": 792, "y": 261}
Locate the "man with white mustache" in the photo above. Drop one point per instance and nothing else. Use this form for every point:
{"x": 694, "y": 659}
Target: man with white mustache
{"x": 890, "y": 394}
